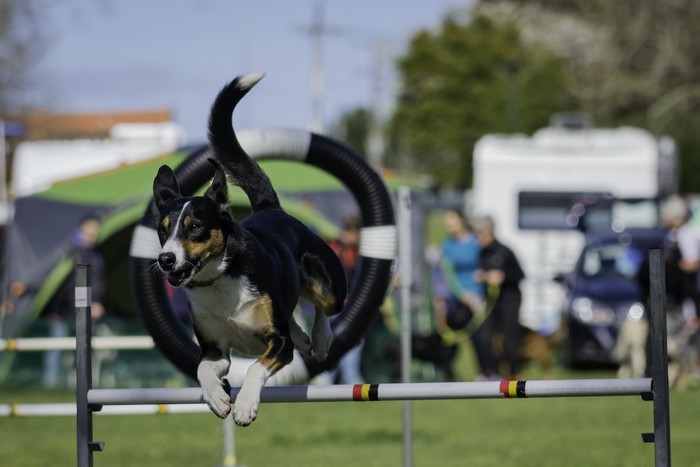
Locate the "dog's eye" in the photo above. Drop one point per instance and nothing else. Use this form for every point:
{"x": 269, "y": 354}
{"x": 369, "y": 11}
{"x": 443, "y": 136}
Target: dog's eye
{"x": 196, "y": 227}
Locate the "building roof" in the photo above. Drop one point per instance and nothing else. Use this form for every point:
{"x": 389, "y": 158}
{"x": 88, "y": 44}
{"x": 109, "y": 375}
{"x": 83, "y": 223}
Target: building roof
{"x": 52, "y": 126}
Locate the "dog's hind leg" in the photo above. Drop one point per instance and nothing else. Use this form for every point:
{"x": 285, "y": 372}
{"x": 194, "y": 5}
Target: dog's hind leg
{"x": 301, "y": 340}
{"x": 321, "y": 335}
{"x": 325, "y": 305}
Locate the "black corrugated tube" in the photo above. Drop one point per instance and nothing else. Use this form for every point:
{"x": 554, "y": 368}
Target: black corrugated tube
{"x": 374, "y": 270}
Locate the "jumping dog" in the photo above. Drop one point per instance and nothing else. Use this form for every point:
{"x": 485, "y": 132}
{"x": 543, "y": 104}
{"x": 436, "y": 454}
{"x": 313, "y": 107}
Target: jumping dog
{"x": 244, "y": 279}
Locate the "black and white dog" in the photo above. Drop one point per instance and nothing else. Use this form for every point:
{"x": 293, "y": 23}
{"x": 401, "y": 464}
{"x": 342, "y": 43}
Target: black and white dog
{"x": 244, "y": 279}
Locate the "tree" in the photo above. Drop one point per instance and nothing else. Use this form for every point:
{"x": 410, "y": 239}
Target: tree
{"x": 471, "y": 77}
{"x": 353, "y": 128}
{"x": 21, "y": 43}
{"x": 632, "y": 61}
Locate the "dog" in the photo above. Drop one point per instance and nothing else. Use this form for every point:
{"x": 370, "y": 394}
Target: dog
{"x": 244, "y": 279}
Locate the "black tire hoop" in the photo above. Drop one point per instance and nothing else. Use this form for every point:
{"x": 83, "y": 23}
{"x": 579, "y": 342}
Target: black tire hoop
{"x": 377, "y": 243}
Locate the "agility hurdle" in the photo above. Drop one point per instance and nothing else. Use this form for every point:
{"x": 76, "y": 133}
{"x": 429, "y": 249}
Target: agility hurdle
{"x": 654, "y": 389}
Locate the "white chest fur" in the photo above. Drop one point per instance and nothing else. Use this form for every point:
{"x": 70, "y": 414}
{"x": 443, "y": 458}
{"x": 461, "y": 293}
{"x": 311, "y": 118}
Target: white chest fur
{"x": 224, "y": 315}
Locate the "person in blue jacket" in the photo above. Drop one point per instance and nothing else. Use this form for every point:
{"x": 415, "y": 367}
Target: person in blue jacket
{"x": 461, "y": 253}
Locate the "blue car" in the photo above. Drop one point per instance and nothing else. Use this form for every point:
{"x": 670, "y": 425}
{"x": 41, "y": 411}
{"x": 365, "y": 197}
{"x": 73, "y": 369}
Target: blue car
{"x": 602, "y": 292}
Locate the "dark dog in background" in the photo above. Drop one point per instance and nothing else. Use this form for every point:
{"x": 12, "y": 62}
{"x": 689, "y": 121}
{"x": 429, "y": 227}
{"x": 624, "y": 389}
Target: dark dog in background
{"x": 432, "y": 348}
{"x": 243, "y": 279}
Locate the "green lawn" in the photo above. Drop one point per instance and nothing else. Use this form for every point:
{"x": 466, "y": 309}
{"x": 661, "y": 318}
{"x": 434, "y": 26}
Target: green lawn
{"x": 538, "y": 432}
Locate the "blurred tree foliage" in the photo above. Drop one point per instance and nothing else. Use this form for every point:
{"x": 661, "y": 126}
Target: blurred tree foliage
{"x": 633, "y": 62}
{"x": 21, "y": 42}
{"x": 471, "y": 77}
{"x": 353, "y": 128}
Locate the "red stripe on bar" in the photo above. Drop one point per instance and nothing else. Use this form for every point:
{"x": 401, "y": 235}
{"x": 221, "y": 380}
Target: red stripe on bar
{"x": 503, "y": 388}
{"x": 357, "y": 392}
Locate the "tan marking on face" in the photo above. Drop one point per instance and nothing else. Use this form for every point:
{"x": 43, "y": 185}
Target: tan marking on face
{"x": 166, "y": 223}
{"x": 186, "y": 222}
{"x": 205, "y": 250}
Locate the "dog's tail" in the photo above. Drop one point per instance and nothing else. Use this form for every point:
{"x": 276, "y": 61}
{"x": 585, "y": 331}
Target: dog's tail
{"x": 243, "y": 170}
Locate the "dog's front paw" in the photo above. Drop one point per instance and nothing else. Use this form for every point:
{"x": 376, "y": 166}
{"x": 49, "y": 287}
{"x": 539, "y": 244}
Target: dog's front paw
{"x": 245, "y": 408}
{"x": 218, "y": 400}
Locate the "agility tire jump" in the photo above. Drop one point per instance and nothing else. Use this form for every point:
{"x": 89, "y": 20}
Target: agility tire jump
{"x": 378, "y": 241}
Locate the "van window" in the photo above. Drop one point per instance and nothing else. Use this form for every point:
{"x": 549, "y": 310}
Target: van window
{"x": 540, "y": 210}
{"x": 611, "y": 259}
{"x": 552, "y": 210}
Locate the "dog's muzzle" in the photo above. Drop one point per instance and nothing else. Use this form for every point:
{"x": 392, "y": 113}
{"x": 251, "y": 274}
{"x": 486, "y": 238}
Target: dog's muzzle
{"x": 176, "y": 277}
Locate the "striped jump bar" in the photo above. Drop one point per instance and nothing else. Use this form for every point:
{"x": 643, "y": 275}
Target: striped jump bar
{"x": 511, "y": 389}
{"x": 506, "y": 389}
{"x": 388, "y": 391}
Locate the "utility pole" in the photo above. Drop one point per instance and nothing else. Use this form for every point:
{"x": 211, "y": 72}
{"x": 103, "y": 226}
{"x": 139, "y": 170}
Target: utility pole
{"x": 318, "y": 80}
{"x": 375, "y": 139}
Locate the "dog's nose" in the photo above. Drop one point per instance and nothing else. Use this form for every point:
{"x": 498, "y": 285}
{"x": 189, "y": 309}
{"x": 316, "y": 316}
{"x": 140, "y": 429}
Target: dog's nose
{"x": 166, "y": 261}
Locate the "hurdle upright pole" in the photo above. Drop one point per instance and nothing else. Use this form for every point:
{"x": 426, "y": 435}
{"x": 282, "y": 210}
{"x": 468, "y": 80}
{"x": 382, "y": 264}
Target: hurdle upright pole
{"x": 406, "y": 274}
{"x": 659, "y": 359}
{"x": 83, "y": 364}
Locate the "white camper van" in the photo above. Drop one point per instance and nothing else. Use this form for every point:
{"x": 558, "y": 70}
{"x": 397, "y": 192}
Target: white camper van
{"x": 531, "y": 186}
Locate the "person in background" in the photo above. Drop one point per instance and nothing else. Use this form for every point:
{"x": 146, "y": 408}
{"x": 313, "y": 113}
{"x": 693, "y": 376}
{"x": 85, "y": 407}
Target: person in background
{"x": 500, "y": 272}
{"x": 61, "y": 309}
{"x": 685, "y": 241}
{"x": 683, "y": 320}
{"x": 347, "y": 247}
{"x": 460, "y": 261}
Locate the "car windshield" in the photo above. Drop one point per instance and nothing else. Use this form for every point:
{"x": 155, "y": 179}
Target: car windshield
{"x": 613, "y": 259}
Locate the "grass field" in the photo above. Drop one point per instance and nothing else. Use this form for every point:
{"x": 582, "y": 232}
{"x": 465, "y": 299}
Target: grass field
{"x": 538, "y": 432}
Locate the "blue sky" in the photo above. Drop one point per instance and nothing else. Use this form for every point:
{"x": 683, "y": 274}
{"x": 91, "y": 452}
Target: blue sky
{"x": 131, "y": 54}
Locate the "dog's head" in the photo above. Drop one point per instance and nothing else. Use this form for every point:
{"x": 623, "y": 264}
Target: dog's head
{"x": 192, "y": 230}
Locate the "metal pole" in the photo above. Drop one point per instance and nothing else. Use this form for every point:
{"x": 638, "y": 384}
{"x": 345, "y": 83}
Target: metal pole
{"x": 229, "y": 443}
{"x": 406, "y": 268}
{"x": 659, "y": 363}
{"x": 5, "y": 206}
{"x": 83, "y": 364}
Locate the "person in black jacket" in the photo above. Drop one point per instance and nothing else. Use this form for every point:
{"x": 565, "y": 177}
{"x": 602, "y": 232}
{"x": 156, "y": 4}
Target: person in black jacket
{"x": 60, "y": 311}
{"x": 500, "y": 272}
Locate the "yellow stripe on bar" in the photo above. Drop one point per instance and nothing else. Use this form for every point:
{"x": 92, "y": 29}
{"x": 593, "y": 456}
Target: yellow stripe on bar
{"x": 512, "y": 389}
{"x": 365, "y": 392}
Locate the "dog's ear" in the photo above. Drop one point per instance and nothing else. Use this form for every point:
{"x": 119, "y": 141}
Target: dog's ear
{"x": 165, "y": 186}
{"x": 218, "y": 190}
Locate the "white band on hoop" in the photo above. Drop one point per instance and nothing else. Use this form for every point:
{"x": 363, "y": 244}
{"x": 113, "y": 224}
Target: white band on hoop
{"x": 144, "y": 243}
{"x": 276, "y": 144}
{"x": 378, "y": 242}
